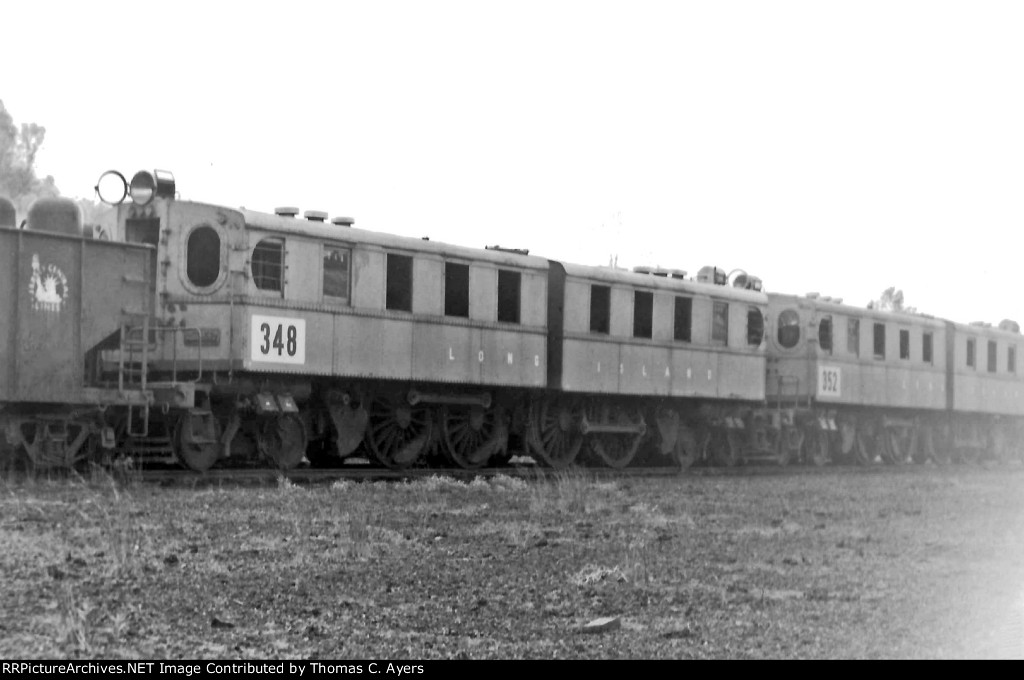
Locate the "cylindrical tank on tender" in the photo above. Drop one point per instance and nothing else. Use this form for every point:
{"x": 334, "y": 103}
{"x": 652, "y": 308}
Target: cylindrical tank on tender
{"x": 56, "y": 215}
{"x": 8, "y": 215}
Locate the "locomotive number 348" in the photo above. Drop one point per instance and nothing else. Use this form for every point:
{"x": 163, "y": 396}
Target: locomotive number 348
{"x": 277, "y": 339}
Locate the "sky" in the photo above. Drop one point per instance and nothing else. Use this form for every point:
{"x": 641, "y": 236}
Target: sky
{"x": 834, "y": 147}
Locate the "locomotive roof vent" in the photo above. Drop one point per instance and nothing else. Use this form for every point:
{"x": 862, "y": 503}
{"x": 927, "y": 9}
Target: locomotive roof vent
{"x": 8, "y": 215}
{"x": 981, "y": 324}
{"x": 315, "y": 215}
{"x": 343, "y": 221}
{"x": 286, "y": 211}
{"x": 514, "y": 251}
{"x": 56, "y": 215}
{"x": 813, "y": 296}
{"x": 660, "y": 271}
{"x": 1009, "y": 325}
{"x": 713, "y": 275}
{"x": 747, "y": 282}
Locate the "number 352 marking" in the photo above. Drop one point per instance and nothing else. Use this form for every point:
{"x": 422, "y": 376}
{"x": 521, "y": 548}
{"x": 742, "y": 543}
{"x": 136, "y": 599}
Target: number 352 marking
{"x": 278, "y": 339}
{"x": 829, "y": 384}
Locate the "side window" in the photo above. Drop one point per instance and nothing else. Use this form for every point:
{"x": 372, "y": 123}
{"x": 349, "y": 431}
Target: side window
{"x": 755, "y": 327}
{"x": 879, "y": 340}
{"x": 683, "y": 319}
{"x": 509, "y": 285}
{"x": 789, "y": 328}
{"x": 399, "y": 283}
{"x": 456, "y": 289}
{"x": 1011, "y": 359}
{"x": 336, "y": 272}
{"x": 600, "y": 309}
{"x": 926, "y": 348}
{"x": 992, "y": 361}
{"x": 268, "y": 264}
{"x": 203, "y": 263}
{"x": 825, "y": 334}
{"x": 720, "y": 323}
{"x": 643, "y": 314}
{"x": 970, "y": 353}
{"x": 904, "y": 344}
{"x": 853, "y": 336}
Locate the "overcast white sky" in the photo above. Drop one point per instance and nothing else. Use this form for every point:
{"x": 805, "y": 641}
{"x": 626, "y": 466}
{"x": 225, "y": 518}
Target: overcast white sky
{"x": 839, "y": 147}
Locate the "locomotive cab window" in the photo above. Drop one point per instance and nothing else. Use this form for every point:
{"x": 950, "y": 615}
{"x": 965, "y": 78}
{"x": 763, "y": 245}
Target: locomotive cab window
{"x": 1011, "y": 359}
{"x": 992, "y": 361}
{"x": 926, "y": 348}
{"x": 825, "y": 334}
{"x": 509, "y": 286}
{"x": 268, "y": 264}
{"x": 970, "y": 353}
{"x": 755, "y": 327}
{"x": 203, "y": 257}
{"x": 853, "y": 336}
{"x": 600, "y": 309}
{"x": 879, "y": 340}
{"x": 643, "y": 314}
{"x": 398, "y": 295}
{"x": 682, "y": 320}
{"x": 456, "y": 289}
{"x": 789, "y": 328}
{"x": 904, "y": 344}
{"x": 720, "y": 323}
{"x": 336, "y": 272}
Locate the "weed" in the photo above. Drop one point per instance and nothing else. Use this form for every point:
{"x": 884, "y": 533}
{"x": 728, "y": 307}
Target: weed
{"x": 74, "y": 627}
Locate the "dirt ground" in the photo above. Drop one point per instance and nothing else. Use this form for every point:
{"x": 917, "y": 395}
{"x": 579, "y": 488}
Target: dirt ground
{"x": 914, "y": 563}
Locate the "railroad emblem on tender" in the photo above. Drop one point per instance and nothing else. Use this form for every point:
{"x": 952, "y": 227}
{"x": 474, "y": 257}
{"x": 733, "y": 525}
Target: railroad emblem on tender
{"x": 47, "y": 287}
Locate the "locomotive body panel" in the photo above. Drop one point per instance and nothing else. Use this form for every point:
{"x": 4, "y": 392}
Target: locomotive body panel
{"x": 837, "y": 354}
{"x": 986, "y": 376}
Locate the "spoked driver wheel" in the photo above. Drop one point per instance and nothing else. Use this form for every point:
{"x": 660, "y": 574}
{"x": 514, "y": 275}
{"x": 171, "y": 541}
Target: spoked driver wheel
{"x": 554, "y": 434}
{"x": 817, "y": 446}
{"x": 398, "y": 433}
{"x": 472, "y": 434}
{"x": 686, "y": 452}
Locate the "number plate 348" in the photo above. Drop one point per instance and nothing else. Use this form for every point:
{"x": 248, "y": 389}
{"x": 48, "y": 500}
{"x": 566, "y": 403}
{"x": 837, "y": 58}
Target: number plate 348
{"x": 278, "y": 339}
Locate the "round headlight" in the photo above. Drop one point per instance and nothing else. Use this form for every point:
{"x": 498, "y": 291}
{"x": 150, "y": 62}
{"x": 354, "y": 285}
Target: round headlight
{"x": 112, "y": 188}
{"x": 143, "y": 187}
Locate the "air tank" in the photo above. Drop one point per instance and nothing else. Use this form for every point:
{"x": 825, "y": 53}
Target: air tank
{"x": 55, "y": 215}
{"x": 8, "y": 215}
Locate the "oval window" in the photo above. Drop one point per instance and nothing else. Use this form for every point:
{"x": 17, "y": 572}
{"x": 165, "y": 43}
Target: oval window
{"x": 789, "y": 328}
{"x": 203, "y": 263}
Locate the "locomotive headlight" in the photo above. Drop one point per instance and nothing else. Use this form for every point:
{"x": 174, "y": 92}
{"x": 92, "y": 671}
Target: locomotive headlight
{"x": 112, "y": 187}
{"x": 142, "y": 188}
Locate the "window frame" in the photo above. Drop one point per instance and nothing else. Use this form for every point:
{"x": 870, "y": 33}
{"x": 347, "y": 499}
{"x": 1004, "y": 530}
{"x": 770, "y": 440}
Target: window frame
{"x": 643, "y": 326}
{"x": 605, "y": 313}
{"x": 682, "y": 302}
{"x": 518, "y": 278}
{"x": 282, "y": 267}
{"x": 878, "y": 326}
{"x": 716, "y": 306}
{"x": 455, "y": 294}
{"x": 325, "y": 256}
{"x": 392, "y": 293}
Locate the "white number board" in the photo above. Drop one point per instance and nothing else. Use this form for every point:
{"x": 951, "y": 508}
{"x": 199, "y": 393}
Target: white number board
{"x": 278, "y": 339}
{"x": 830, "y": 381}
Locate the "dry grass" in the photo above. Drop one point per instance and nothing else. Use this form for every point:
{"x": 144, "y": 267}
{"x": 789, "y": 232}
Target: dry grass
{"x": 927, "y": 563}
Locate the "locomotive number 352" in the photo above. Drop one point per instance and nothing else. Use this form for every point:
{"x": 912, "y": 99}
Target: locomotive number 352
{"x": 277, "y": 339}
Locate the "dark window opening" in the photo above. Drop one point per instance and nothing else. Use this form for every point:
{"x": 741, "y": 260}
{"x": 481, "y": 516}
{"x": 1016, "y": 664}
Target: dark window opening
{"x": 456, "y": 289}
{"x": 720, "y": 322}
{"x": 904, "y": 344}
{"x": 509, "y": 285}
{"x": 142, "y": 230}
{"x": 1011, "y": 359}
{"x": 683, "y": 319}
{"x": 643, "y": 314}
{"x": 399, "y": 283}
{"x": 879, "y": 340}
{"x": 970, "y": 353}
{"x": 992, "y": 361}
{"x": 755, "y": 327}
{"x": 268, "y": 264}
{"x": 336, "y": 272}
{"x": 926, "y": 348}
{"x": 203, "y": 266}
{"x": 853, "y": 336}
{"x": 789, "y": 328}
{"x": 825, "y": 334}
{"x": 600, "y": 309}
